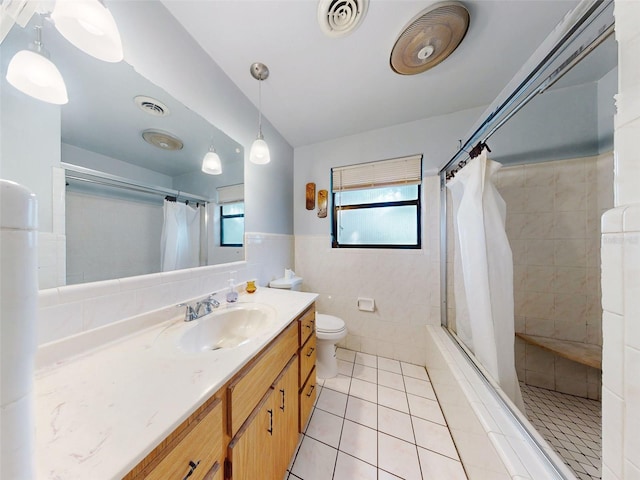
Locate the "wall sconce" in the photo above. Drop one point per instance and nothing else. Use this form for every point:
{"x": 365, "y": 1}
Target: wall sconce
{"x": 259, "y": 153}
{"x": 211, "y": 163}
{"x": 89, "y": 26}
{"x": 31, "y": 72}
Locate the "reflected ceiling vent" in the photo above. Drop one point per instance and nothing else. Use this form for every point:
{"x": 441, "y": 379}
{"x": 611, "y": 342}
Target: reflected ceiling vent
{"x": 429, "y": 38}
{"x": 341, "y": 17}
{"x": 163, "y": 140}
{"x": 151, "y": 106}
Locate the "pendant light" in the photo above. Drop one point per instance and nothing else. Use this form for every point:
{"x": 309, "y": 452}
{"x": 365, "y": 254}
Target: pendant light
{"x": 259, "y": 153}
{"x": 31, "y": 72}
{"x": 211, "y": 163}
{"x": 89, "y": 25}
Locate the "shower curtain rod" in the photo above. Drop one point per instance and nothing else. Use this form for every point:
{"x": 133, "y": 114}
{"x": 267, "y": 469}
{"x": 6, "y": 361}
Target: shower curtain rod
{"x": 106, "y": 179}
{"x": 479, "y": 136}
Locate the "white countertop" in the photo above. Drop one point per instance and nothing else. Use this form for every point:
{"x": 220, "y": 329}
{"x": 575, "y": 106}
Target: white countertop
{"x": 101, "y": 410}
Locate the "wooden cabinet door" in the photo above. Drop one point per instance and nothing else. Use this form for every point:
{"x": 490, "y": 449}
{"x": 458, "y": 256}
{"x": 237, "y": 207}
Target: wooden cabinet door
{"x": 286, "y": 425}
{"x": 252, "y": 451}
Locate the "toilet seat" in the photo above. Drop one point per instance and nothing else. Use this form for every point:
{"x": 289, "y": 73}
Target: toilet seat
{"x": 329, "y": 324}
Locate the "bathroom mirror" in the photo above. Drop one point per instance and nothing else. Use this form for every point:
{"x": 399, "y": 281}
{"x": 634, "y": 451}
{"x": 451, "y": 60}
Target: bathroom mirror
{"x": 556, "y": 180}
{"x": 115, "y": 231}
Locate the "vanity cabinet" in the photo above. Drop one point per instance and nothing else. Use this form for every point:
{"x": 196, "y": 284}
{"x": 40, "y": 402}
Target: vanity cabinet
{"x": 194, "y": 451}
{"x": 307, "y": 360}
{"x": 264, "y": 445}
{"x": 250, "y": 428}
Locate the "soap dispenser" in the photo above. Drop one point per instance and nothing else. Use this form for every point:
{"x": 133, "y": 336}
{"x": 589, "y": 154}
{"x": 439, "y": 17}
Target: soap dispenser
{"x": 232, "y": 295}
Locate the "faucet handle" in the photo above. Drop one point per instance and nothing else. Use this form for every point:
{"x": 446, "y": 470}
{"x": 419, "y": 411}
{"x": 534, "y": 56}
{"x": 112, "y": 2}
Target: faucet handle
{"x": 212, "y": 299}
{"x": 190, "y": 313}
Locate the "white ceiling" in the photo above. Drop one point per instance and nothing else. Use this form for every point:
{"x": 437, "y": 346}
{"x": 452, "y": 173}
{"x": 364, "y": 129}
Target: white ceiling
{"x": 322, "y": 88}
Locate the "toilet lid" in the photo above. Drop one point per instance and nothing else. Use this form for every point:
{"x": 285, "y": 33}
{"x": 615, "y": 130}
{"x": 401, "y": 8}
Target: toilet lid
{"x": 329, "y": 323}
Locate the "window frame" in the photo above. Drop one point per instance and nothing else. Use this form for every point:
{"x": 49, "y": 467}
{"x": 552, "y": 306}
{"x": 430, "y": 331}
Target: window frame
{"x": 223, "y": 217}
{"x": 401, "y": 203}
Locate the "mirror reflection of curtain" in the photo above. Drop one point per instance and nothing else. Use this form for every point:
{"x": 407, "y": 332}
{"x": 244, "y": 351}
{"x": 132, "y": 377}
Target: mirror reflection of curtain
{"x": 180, "y": 241}
{"x": 486, "y": 263}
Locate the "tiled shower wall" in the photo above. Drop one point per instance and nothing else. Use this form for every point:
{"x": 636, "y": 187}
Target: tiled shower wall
{"x": 553, "y": 225}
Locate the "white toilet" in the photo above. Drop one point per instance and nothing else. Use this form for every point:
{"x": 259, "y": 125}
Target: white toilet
{"x": 329, "y": 331}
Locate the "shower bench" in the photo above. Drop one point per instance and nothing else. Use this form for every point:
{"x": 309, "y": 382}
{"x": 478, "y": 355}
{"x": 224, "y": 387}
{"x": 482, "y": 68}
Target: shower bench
{"x": 584, "y": 353}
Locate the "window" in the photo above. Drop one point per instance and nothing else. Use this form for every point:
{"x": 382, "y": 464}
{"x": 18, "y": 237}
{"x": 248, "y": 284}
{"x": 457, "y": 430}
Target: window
{"x": 231, "y": 201}
{"x": 231, "y": 224}
{"x": 377, "y": 204}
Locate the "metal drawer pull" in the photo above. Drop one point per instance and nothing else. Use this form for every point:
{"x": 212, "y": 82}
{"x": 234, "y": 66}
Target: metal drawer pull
{"x": 308, "y": 326}
{"x": 310, "y": 352}
{"x": 270, "y": 422}
{"x": 192, "y": 466}
{"x": 282, "y": 406}
{"x": 311, "y": 390}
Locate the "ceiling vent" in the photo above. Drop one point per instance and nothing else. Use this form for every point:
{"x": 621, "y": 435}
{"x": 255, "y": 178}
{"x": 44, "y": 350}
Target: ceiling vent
{"x": 338, "y": 18}
{"x": 163, "y": 140}
{"x": 429, "y": 38}
{"x": 151, "y": 106}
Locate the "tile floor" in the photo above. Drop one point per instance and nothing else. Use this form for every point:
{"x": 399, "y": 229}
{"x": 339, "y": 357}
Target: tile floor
{"x": 572, "y": 426}
{"x": 379, "y": 419}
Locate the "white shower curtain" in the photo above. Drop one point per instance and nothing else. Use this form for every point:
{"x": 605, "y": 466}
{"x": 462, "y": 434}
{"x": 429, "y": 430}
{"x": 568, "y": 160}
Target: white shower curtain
{"x": 483, "y": 256}
{"x": 180, "y": 242}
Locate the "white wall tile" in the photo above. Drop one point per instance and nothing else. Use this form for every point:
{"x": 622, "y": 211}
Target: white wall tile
{"x": 612, "y": 431}
{"x": 612, "y": 272}
{"x": 613, "y": 352}
{"x": 632, "y": 400}
{"x": 631, "y": 272}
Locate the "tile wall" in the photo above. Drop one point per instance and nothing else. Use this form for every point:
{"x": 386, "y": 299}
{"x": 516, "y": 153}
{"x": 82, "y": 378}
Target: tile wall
{"x": 68, "y": 310}
{"x": 621, "y": 265}
{"x": 403, "y": 283}
{"x": 553, "y": 225}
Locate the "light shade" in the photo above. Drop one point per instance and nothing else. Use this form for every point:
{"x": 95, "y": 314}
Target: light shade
{"x": 259, "y": 152}
{"x": 89, "y": 25}
{"x": 211, "y": 164}
{"x": 37, "y": 76}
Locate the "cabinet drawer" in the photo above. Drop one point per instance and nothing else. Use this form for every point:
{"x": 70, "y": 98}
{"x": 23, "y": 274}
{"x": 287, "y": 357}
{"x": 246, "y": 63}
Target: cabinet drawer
{"x": 307, "y": 399}
{"x": 307, "y": 358}
{"x": 307, "y": 324}
{"x": 248, "y": 388}
{"x": 199, "y": 450}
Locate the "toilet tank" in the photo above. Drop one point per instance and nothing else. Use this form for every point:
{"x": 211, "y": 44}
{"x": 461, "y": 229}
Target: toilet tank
{"x": 293, "y": 283}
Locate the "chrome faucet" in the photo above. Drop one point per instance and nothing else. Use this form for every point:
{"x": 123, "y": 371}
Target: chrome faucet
{"x": 193, "y": 313}
{"x": 190, "y": 313}
{"x": 209, "y": 304}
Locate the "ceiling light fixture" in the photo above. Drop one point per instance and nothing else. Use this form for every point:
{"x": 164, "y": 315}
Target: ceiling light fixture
{"x": 31, "y": 72}
{"x": 89, "y": 25}
{"x": 429, "y": 38}
{"x": 259, "y": 153}
{"x": 211, "y": 163}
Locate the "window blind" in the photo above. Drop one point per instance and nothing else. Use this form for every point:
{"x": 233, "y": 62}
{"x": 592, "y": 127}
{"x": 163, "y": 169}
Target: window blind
{"x": 384, "y": 173}
{"x": 230, "y": 193}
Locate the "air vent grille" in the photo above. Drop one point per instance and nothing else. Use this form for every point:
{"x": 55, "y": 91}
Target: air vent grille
{"x": 341, "y": 17}
{"x": 151, "y": 106}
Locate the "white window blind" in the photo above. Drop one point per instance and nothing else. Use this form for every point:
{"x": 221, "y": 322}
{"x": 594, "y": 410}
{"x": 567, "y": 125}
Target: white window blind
{"x": 230, "y": 193}
{"x": 397, "y": 171}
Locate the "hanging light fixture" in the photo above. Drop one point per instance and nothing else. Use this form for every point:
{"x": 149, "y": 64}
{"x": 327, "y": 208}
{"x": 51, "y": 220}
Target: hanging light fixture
{"x": 259, "y": 149}
{"x": 89, "y": 25}
{"x": 31, "y": 72}
{"x": 211, "y": 163}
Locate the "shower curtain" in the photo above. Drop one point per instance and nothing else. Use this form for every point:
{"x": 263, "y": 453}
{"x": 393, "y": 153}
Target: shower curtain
{"x": 484, "y": 290}
{"x": 180, "y": 241}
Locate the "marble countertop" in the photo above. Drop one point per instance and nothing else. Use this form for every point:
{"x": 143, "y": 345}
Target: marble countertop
{"x": 105, "y": 399}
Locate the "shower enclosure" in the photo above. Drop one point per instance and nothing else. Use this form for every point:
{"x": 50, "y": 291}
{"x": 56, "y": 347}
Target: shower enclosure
{"x": 556, "y": 180}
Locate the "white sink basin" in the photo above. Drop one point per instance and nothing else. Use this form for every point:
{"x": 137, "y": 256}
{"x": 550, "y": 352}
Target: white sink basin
{"x": 228, "y": 327}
